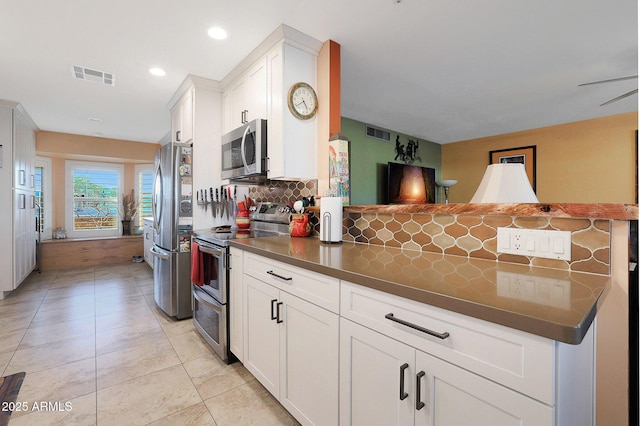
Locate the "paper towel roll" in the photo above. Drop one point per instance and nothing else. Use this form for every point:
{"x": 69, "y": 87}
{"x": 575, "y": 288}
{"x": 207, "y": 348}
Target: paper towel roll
{"x": 331, "y": 219}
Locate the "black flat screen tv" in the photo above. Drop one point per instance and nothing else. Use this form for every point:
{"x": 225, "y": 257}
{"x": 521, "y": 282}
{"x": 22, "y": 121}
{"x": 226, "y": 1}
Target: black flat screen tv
{"x": 409, "y": 184}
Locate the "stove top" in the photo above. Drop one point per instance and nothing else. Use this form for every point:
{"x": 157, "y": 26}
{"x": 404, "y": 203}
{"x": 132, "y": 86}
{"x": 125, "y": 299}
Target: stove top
{"x": 267, "y": 220}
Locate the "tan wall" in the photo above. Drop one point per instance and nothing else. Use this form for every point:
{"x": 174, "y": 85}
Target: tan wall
{"x": 583, "y": 162}
{"x": 65, "y": 146}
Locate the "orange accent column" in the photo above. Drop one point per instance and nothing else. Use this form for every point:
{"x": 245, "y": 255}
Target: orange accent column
{"x": 328, "y": 107}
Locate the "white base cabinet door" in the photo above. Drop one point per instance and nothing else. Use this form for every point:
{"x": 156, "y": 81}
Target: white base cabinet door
{"x": 291, "y": 347}
{"x": 375, "y": 378}
{"x": 262, "y": 334}
{"x": 385, "y": 382}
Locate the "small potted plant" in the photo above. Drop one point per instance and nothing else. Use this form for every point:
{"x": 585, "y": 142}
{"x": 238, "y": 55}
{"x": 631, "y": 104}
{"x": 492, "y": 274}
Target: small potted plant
{"x": 129, "y": 209}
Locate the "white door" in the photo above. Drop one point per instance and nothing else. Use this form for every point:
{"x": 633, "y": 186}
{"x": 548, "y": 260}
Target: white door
{"x": 309, "y": 358}
{"x": 377, "y": 374}
{"x": 453, "y": 397}
{"x": 262, "y": 333}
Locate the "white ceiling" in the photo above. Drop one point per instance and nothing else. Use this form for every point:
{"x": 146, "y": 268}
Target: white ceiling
{"x": 440, "y": 70}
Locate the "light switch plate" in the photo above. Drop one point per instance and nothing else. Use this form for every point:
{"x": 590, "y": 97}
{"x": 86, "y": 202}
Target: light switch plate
{"x": 535, "y": 242}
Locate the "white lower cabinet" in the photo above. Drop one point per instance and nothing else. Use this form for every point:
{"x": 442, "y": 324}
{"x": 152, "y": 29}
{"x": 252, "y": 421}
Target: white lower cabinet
{"x": 386, "y": 360}
{"x": 291, "y": 346}
{"x": 386, "y": 382}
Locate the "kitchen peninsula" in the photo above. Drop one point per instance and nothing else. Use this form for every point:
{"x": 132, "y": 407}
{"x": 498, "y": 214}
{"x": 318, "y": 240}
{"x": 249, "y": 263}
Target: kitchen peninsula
{"x": 420, "y": 296}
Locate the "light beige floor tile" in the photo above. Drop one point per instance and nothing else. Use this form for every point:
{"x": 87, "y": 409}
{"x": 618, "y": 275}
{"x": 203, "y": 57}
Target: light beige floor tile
{"x": 49, "y": 333}
{"x": 115, "y": 339}
{"x": 249, "y": 404}
{"x": 128, "y": 402}
{"x": 11, "y": 323}
{"x": 10, "y": 341}
{"x": 196, "y": 415}
{"x": 212, "y": 377}
{"x": 60, "y": 315}
{"x": 52, "y": 354}
{"x": 190, "y": 346}
{"x": 62, "y": 383}
{"x": 127, "y": 364}
{"x": 18, "y": 309}
{"x": 146, "y": 288}
{"x": 79, "y": 411}
{"x": 5, "y": 357}
{"x": 172, "y": 326}
{"x": 70, "y": 302}
{"x": 119, "y": 303}
{"x": 71, "y": 290}
{"x": 135, "y": 315}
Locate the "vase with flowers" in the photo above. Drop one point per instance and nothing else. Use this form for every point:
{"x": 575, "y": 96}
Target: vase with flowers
{"x": 129, "y": 209}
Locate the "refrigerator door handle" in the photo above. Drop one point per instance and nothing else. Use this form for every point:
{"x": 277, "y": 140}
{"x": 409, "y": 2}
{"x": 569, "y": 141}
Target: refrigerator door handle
{"x": 158, "y": 252}
{"x": 156, "y": 205}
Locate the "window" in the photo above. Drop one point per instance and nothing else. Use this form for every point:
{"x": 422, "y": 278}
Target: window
{"x": 144, "y": 191}
{"x": 93, "y": 197}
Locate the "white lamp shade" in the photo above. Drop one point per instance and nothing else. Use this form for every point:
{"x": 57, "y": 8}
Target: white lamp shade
{"x": 505, "y": 183}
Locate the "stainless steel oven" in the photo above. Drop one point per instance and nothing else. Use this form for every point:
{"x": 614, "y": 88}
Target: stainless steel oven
{"x": 210, "y": 282}
{"x": 209, "y": 294}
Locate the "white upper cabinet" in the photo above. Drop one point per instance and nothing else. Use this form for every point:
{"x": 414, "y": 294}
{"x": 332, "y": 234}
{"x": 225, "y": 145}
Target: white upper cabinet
{"x": 246, "y": 99}
{"x": 258, "y": 88}
{"x": 182, "y": 118}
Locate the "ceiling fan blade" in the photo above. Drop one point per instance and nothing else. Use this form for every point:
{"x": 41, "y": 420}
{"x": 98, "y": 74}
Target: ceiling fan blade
{"x": 610, "y": 80}
{"x": 633, "y": 92}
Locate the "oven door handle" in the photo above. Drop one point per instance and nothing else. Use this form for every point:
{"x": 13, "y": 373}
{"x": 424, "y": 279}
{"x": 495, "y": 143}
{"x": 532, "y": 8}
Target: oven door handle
{"x": 201, "y": 297}
{"x": 211, "y": 251}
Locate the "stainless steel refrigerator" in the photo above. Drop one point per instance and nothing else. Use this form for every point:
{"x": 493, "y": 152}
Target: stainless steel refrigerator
{"x": 172, "y": 223}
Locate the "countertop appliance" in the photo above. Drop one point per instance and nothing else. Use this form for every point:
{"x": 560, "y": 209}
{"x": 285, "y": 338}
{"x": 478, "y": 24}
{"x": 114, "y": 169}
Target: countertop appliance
{"x": 172, "y": 226}
{"x": 331, "y": 219}
{"x": 211, "y": 292}
{"x": 244, "y": 152}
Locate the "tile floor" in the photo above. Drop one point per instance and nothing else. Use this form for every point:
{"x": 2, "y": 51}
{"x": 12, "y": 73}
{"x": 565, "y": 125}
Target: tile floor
{"x": 93, "y": 338}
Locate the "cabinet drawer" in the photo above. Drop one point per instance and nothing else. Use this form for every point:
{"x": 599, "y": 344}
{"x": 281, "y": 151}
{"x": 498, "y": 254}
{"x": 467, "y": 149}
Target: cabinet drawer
{"x": 516, "y": 359}
{"x": 316, "y": 288}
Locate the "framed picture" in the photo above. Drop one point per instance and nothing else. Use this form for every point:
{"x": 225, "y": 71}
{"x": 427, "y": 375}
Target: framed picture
{"x": 339, "y": 182}
{"x": 525, "y": 155}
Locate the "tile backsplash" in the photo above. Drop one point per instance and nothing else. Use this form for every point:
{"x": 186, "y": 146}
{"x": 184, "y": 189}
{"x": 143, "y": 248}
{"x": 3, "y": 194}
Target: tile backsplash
{"x": 464, "y": 235}
{"x": 476, "y": 236}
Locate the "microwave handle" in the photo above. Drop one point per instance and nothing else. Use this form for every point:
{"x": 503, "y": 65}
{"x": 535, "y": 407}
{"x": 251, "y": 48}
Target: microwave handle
{"x": 244, "y": 137}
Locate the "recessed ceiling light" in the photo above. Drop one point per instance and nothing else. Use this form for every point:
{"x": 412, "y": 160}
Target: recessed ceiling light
{"x": 158, "y": 72}
{"x": 217, "y": 33}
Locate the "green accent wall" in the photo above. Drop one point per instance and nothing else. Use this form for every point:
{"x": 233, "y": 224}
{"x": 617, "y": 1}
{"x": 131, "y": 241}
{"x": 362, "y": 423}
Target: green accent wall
{"x": 369, "y": 157}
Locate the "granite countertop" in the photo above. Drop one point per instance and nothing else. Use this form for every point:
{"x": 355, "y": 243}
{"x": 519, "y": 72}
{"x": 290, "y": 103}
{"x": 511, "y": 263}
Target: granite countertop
{"x": 555, "y": 304}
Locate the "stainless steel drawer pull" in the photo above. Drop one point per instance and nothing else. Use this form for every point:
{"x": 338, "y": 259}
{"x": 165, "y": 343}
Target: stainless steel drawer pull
{"x": 279, "y": 276}
{"x": 417, "y": 327}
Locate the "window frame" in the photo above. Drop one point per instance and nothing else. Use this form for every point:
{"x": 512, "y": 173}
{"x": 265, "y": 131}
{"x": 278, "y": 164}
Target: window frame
{"x": 71, "y": 165}
{"x": 138, "y": 170}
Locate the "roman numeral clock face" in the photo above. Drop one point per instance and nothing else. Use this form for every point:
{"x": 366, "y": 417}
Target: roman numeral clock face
{"x": 302, "y": 101}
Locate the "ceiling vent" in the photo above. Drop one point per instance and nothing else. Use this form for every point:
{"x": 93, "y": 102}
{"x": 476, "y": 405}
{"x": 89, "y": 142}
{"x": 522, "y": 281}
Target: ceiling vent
{"x": 88, "y": 74}
{"x": 376, "y": 133}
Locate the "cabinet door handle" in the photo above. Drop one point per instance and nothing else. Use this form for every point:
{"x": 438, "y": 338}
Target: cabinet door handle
{"x": 279, "y": 276}
{"x": 403, "y": 394}
{"x": 178, "y": 136}
{"x": 417, "y": 327}
{"x": 419, "y": 403}
{"x": 273, "y": 308}
{"x": 278, "y": 320}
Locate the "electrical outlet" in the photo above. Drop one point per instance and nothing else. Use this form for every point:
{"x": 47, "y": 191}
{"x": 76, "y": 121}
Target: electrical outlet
{"x": 535, "y": 243}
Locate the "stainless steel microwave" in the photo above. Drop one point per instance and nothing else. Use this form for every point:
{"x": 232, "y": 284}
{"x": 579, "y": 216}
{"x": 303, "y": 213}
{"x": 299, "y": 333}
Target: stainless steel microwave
{"x": 244, "y": 152}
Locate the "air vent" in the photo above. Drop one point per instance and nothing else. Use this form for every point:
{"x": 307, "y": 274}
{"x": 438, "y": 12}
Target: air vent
{"x": 88, "y": 74}
{"x": 376, "y": 133}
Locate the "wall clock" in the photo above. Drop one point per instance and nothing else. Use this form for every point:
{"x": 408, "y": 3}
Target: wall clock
{"x": 302, "y": 101}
